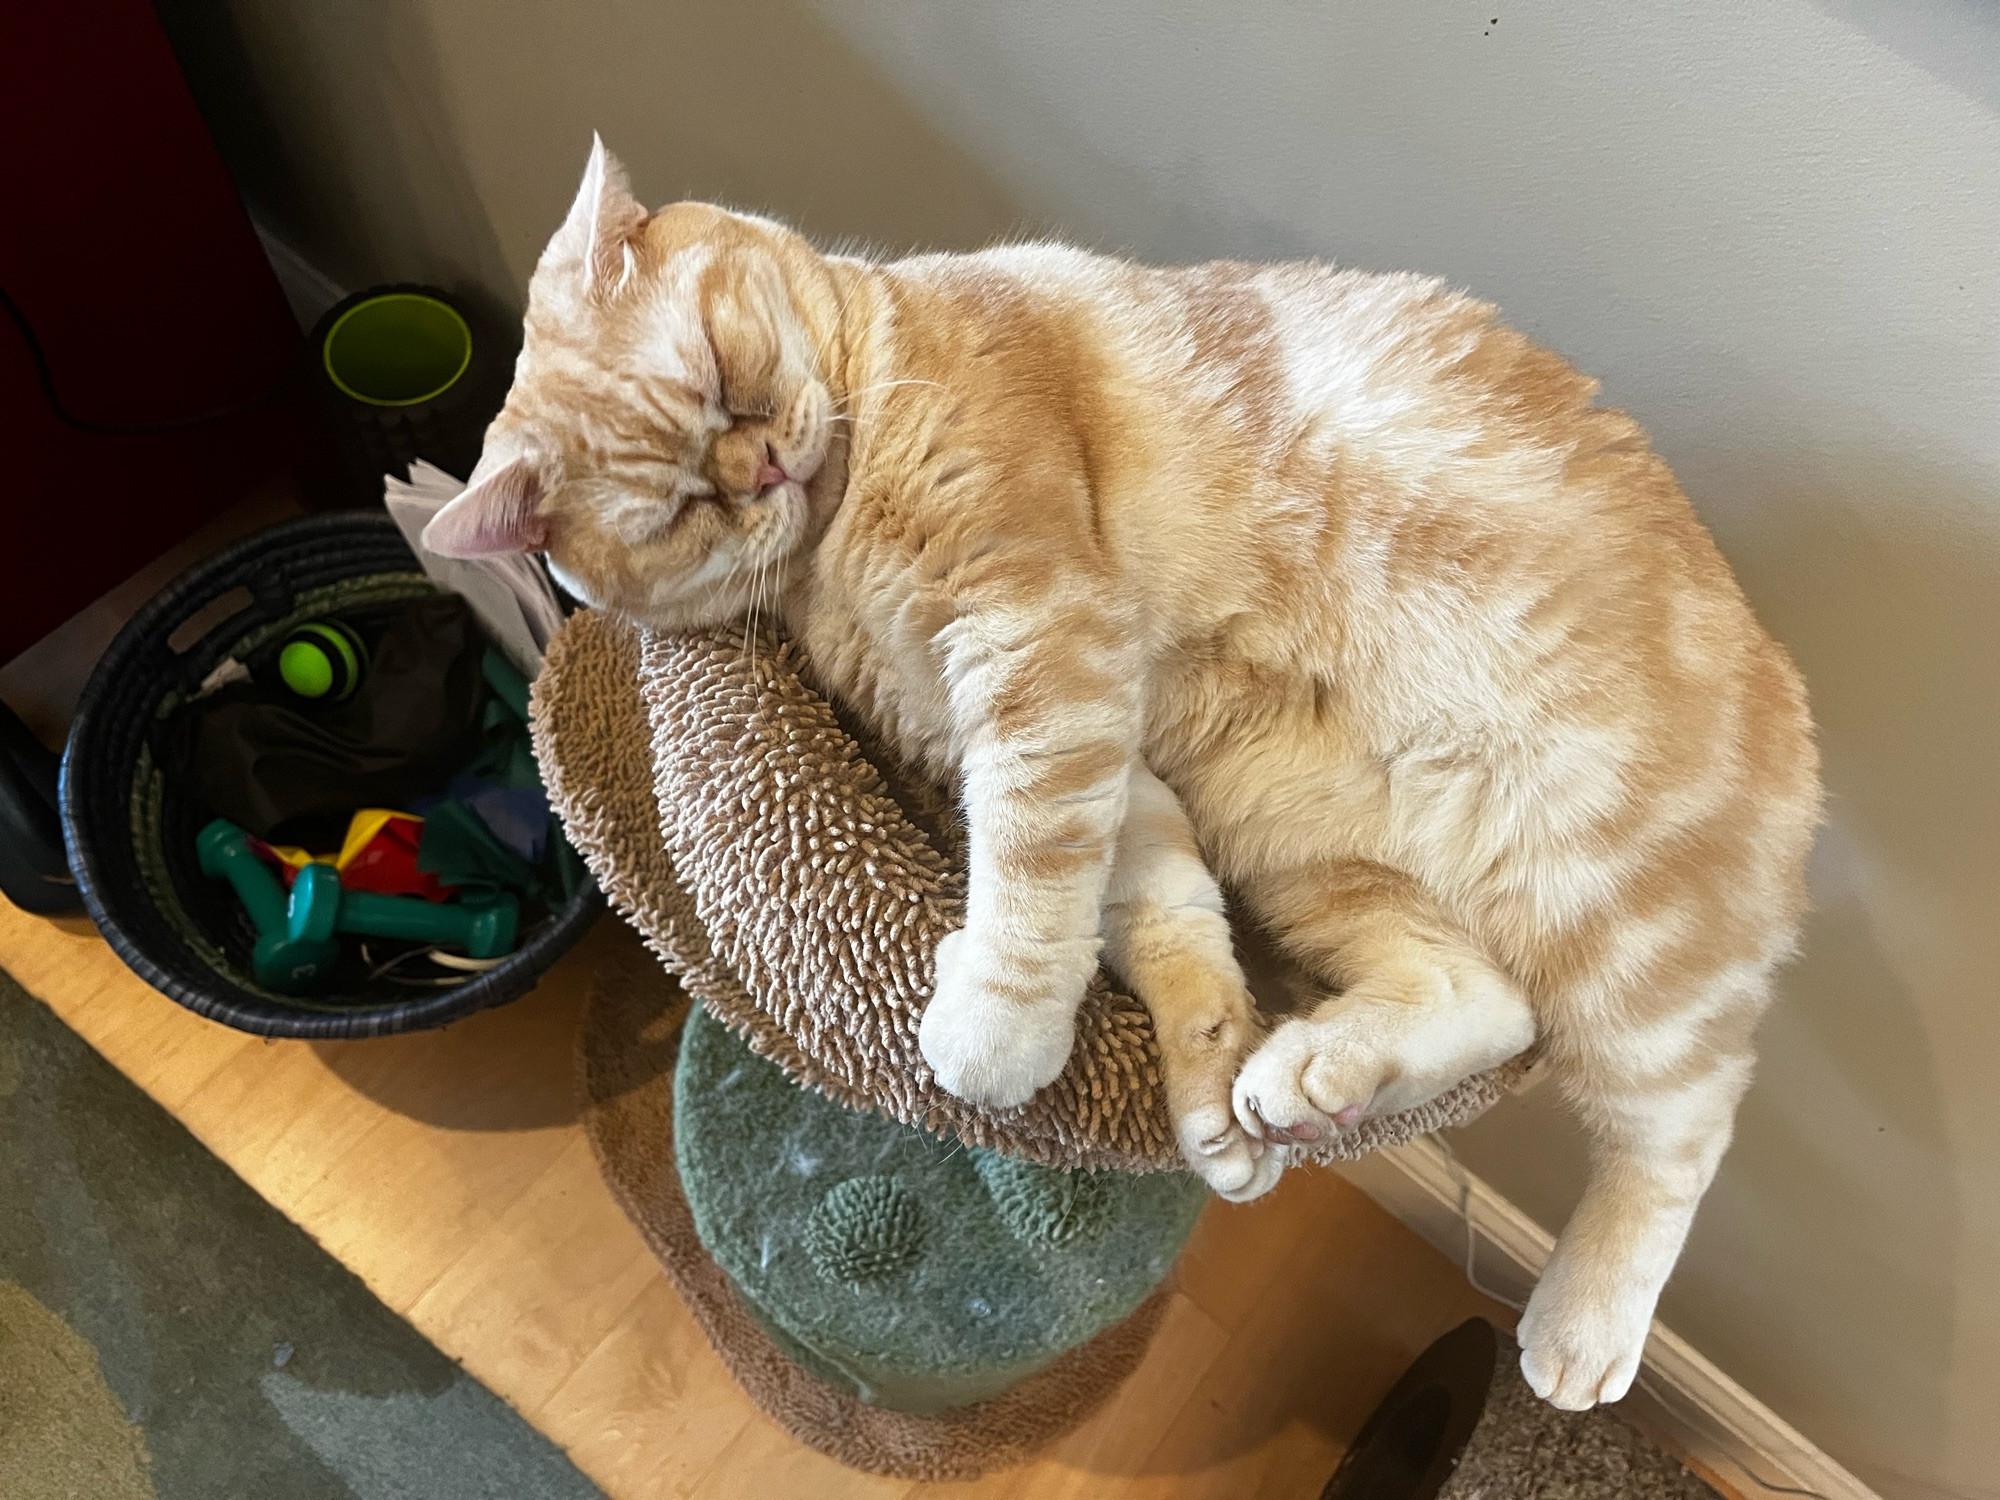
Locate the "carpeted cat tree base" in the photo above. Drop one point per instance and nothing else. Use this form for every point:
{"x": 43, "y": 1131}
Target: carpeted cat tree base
{"x": 797, "y": 1339}
{"x": 1462, "y": 1424}
{"x": 907, "y": 1269}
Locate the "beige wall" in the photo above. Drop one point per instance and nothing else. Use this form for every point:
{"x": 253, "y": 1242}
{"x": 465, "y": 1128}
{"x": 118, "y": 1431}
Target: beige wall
{"x": 1774, "y": 230}
{"x": 442, "y": 139}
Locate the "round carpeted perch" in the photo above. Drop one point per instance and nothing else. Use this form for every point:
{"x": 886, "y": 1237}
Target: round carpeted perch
{"x": 800, "y": 894}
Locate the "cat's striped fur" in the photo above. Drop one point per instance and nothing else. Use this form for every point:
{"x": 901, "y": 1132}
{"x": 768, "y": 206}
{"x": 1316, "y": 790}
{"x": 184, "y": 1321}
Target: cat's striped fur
{"x": 1326, "y": 583}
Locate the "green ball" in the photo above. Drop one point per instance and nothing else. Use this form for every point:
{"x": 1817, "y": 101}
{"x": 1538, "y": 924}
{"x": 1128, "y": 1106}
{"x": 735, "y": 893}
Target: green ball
{"x": 324, "y": 659}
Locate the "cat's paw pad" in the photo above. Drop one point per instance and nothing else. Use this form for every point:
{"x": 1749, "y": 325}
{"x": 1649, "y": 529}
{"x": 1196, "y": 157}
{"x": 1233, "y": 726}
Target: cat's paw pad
{"x": 1309, "y": 1081}
{"x": 1579, "y": 1348}
{"x": 1236, "y": 1165}
{"x": 985, "y": 1045}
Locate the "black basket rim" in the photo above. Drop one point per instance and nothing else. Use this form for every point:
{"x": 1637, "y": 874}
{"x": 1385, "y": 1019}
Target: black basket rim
{"x": 130, "y": 650}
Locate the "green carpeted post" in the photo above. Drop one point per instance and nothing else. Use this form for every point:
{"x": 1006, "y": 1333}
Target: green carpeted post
{"x": 902, "y": 1267}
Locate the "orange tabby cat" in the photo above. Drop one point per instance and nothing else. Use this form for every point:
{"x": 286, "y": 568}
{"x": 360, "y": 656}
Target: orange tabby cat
{"x": 1326, "y": 583}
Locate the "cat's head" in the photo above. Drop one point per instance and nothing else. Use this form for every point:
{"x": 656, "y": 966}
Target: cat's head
{"x": 666, "y": 438}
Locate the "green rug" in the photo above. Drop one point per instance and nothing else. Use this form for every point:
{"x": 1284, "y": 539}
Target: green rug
{"x": 165, "y": 1334}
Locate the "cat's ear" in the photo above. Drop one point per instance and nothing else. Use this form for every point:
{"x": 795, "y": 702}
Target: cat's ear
{"x": 499, "y": 513}
{"x": 598, "y": 232}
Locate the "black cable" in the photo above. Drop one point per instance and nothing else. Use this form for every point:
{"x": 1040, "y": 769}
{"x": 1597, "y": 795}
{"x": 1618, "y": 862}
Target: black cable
{"x": 45, "y": 377}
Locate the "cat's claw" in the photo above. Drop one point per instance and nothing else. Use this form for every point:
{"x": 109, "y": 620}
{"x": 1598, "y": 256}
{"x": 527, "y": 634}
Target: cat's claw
{"x": 984, "y": 1046}
{"x": 1236, "y": 1165}
{"x": 1221, "y": 1141}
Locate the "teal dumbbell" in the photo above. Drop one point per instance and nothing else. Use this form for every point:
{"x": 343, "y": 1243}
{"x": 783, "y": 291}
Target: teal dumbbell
{"x": 283, "y": 961}
{"x": 296, "y": 947}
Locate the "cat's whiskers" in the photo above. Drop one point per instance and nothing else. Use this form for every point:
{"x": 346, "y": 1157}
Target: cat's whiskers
{"x": 760, "y": 577}
{"x": 757, "y": 581}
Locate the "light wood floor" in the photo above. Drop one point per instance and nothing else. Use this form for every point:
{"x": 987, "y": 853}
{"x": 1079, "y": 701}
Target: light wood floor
{"x": 449, "y": 1171}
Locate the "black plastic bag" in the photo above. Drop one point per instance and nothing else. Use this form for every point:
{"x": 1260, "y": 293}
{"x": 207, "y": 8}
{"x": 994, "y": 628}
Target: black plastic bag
{"x": 294, "y": 772}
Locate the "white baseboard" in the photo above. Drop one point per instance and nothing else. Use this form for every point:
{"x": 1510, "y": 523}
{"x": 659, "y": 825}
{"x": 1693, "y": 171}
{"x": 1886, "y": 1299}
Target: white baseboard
{"x": 1710, "y": 1419}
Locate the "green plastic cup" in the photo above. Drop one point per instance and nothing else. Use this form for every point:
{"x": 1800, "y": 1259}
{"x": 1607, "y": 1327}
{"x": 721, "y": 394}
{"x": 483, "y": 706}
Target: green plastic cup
{"x": 398, "y": 349}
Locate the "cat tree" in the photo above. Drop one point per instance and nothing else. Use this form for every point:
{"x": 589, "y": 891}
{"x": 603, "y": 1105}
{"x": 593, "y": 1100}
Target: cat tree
{"x": 796, "y": 885}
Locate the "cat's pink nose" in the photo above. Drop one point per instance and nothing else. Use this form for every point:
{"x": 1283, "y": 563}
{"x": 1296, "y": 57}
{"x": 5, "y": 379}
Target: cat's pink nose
{"x": 769, "y": 472}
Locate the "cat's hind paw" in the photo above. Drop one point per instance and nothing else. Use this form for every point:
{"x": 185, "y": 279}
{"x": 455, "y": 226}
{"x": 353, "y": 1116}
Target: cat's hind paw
{"x": 1306, "y": 1084}
{"x": 985, "y": 1045}
{"x": 1398, "y": 1038}
{"x": 1581, "y": 1347}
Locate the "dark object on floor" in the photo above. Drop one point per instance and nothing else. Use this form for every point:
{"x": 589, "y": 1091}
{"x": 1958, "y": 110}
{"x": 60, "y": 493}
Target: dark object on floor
{"x": 406, "y": 372}
{"x": 1462, "y": 1425}
{"x": 34, "y": 874}
{"x": 171, "y": 1336}
{"x": 131, "y": 826}
{"x": 919, "y": 1275}
{"x": 294, "y": 772}
{"x": 628, "y": 1048}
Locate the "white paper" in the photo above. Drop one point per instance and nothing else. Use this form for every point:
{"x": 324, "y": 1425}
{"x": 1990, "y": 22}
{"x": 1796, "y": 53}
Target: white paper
{"x": 511, "y": 595}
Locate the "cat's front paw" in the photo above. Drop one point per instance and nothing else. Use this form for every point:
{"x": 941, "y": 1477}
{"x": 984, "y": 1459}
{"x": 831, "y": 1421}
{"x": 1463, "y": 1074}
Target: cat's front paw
{"x": 985, "y": 1044}
{"x": 1235, "y": 1164}
{"x": 1209, "y": 1027}
{"x": 1582, "y": 1339}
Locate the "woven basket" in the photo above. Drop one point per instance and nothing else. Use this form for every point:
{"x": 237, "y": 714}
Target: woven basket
{"x": 130, "y": 827}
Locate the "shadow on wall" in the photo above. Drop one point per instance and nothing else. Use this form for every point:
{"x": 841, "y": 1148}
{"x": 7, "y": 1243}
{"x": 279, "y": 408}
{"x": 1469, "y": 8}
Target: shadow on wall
{"x": 1876, "y": 1115}
{"x": 333, "y": 119}
{"x": 440, "y": 140}
{"x": 757, "y": 106}
{"x": 1844, "y": 1218}
{"x": 1839, "y": 1190}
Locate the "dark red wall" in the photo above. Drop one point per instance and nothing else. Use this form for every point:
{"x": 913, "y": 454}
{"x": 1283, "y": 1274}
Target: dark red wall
{"x": 123, "y": 243}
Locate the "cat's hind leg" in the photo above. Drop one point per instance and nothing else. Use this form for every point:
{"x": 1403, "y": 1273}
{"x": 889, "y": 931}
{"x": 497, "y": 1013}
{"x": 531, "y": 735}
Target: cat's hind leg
{"x": 1167, "y": 936}
{"x": 1657, "y": 1134}
{"x": 1421, "y": 1007}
